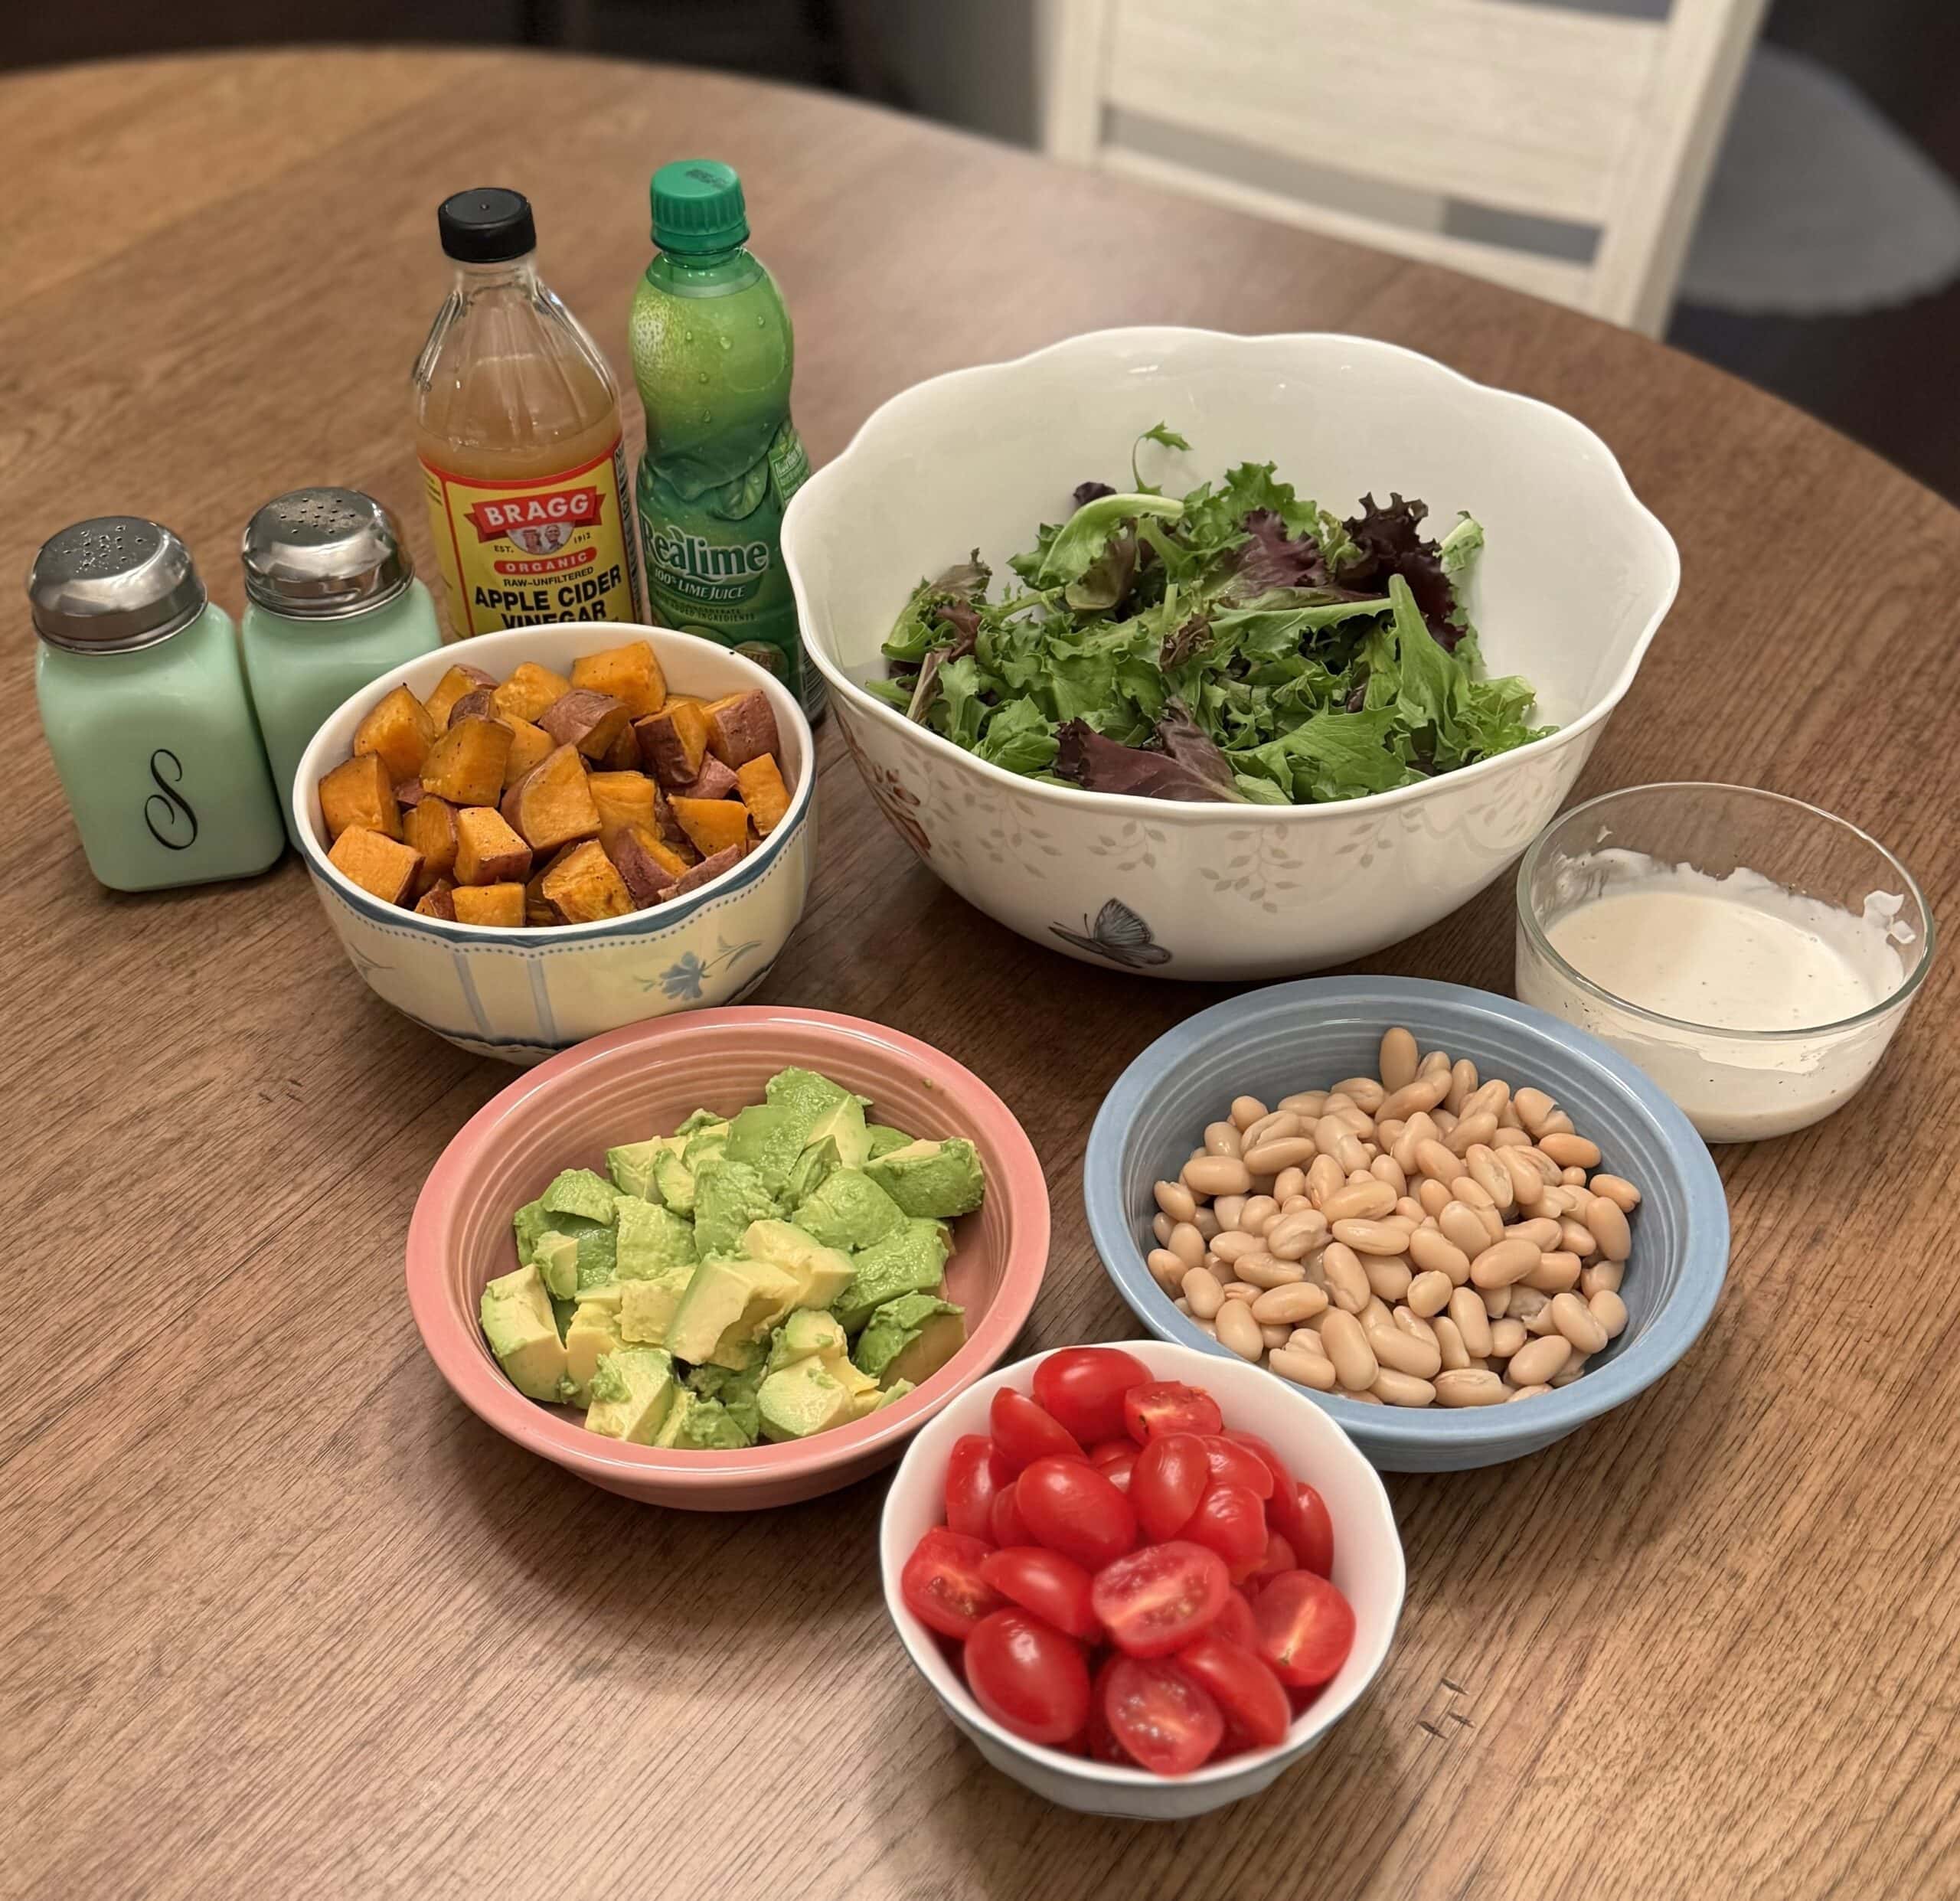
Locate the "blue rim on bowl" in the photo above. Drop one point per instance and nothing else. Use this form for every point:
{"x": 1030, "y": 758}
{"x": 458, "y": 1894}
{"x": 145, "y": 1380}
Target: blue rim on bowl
{"x": 1136, "y": 1138}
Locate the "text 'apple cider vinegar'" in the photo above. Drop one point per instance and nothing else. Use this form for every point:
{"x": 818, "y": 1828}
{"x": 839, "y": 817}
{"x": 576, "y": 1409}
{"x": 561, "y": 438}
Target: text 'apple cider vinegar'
{"x": 517, "y": 420}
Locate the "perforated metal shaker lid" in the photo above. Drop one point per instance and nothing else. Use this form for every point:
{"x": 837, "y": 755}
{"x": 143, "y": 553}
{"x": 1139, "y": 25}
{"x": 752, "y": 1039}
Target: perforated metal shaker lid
{"x": 323, "y": 553}
{"x": 112, "y": 584}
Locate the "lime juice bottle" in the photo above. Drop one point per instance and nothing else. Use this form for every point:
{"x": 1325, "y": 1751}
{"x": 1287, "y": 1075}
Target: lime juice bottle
{"x": 712, "y": 353}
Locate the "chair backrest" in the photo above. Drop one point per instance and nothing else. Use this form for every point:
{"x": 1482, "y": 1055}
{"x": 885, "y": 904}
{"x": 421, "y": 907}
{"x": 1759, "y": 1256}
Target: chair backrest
{"x": 1390, "y": 122}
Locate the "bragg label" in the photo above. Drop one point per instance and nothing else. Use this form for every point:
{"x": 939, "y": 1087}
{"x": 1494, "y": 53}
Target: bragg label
{"x": 520, "y": 553}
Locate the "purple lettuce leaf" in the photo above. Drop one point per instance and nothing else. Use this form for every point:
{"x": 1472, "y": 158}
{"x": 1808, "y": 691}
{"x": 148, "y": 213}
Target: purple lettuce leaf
{"x": 1183, "y": 763}
{"x": 1390, "y": 541}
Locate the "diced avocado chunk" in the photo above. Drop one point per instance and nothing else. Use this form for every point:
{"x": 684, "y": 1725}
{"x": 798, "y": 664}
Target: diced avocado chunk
{"x": 843, "y": 1123}
{"x": 673, "y": 1178}
{"x": 805, "y": 1397}
{"x": 767, "y": 1138}
{"x": 606, "y": 1294}
{"x": 910, "y": 1260}
{"x": 631, "y": 1391}
{"x": 579, "y": 1191}
{"x": 709, "y": 1427}
{"x": 814, "y": 1166}
{"x": 849, "y": 1210}
{"x": 729, "y": 1306}
{"x": 704, "y": 1142}
{"x": 805, "y": 1332}
{"x": 892, "y": 1394}
{"x": 940, "y": 1179}
{"x": 697, "y": 1120}
{"x": 594, "y": 1331}
{"x": 825, "y": 1271}
{"x": 563, "y": 1307}
{"x": 630, "y": 1167}
{"x": 884, "y": 1139}
{"x": 556, "y": 1257}
{"x": 736, "y": 1392}
{"x": 516, "y": 1314}
{"x": 647, "y": 1307}
{"x": 530, "y": 1223}
{"x": 807, "y": 1098}
{"x": 728, "y": 1196}
{"x": 910, "y": 1339}
{"x": 649, "y": 1240}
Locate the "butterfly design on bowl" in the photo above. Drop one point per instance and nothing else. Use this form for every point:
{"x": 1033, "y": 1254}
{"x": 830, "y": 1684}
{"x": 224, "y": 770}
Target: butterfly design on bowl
{"x": 1118, "y": 934}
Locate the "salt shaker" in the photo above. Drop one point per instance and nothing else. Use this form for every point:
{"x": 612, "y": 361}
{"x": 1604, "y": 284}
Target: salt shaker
{"x": 143, "y": 703}
{"x": 331, "y": 603}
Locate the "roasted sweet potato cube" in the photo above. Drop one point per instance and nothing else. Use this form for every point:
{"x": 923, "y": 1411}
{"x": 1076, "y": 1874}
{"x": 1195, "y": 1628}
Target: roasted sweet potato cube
{"x": 480, "y": 703}
{"x": 741, "y": 728}
{"x": 378, "y": 863}
{"x": 488, "y": 851}
{"x": 536, "y": 907}
{"x": 760, "y": 783}
{"x": 466, "y": 766}
{"x": 649, "y": 867}
{"x": 552, "y": 805}
{"x": 359, "y": 792}
{"x": 590, "y": 721}
{"x": 623, "y": 798}
{"x": 710, "y": 868}
{"x": 530, "y": 690}
{"x": 630, "y": 674}
{"x": 623, "y": 755}
{"x": 713, "y": 781}
{"x": 397, "y": 728}
{"x": 439, "y": 900}
{"x": 713, "y": 823}
{"x": 460, "y": 679}
{"x": 530, "y": 746}
{"x": 429, "y": 827}
{"x": 582, "y": 884}
{"x": 489, "y": 904}
{"x": 408, "y": 795}
{"x": 673, "y": 742}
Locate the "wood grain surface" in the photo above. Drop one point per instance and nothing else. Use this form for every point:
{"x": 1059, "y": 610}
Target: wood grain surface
{"x": 278, "y": 1617}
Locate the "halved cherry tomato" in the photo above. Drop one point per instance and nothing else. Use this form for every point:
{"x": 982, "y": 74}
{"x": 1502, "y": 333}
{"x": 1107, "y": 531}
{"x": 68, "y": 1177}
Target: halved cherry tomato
{"x": 1305, "y": 1626}
{"x": 1028, "y": 1677}
{"x": 973, "y": 1483}
{"x": 1068, "y": 1506}
{"x": 1252, "y": 1698}
{"x": 1231, "y": 1521}
{"x": 1161, "y": 1716}
{"x": 1172, "y": 1474}
{"x": 1234, "y": 1464}
{"x": 1083, "y": 1387}
{"x": 1022, "y": 1433}
{"x": 1278, "y": 1557}
{"x": 1235, "y": 1622}
{"x": 1005, "y": 1526}
{"x": 1312, "y": 1539}
{"x": 1056, "y": 1588}
{"x": 1169, "y": 1405}
{"x": 1119, "y": 1470}
{"x": 1157, "y": 1600}
{"x": 942, "y": 1585}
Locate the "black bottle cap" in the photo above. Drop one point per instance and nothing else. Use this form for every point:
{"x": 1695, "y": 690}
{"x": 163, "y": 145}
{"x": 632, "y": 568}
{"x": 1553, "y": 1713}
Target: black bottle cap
{"x": 486, "y": 226}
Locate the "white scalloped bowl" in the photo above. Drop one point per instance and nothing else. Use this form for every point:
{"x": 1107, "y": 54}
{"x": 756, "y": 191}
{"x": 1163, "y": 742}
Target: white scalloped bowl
{"x": 1574, "y": 579}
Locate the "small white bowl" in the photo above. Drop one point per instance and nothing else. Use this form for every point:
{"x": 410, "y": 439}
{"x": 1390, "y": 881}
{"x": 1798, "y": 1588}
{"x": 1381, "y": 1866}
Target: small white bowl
{"x": 1367, "y": 1566}
{"x": 1574, "y": 579}
{"x": 523, "y": 995}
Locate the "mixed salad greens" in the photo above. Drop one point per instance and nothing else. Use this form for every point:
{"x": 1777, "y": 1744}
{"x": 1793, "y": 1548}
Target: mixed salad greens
{"x": 1239, "y": 644}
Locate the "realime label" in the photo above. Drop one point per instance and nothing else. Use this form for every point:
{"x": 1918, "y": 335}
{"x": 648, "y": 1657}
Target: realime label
{"x": 699, "y": 569}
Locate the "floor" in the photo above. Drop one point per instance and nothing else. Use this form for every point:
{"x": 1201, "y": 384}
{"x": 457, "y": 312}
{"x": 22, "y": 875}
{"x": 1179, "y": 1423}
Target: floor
{"x": 1882, "y": 377}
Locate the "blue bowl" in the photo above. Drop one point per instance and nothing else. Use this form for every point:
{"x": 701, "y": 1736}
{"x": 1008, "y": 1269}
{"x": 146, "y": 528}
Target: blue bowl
{"x": 1302, "y": 1036}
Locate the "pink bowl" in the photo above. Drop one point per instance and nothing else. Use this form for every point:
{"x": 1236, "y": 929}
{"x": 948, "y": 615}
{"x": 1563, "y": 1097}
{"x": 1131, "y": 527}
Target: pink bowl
{"x": 640, "y": 1081}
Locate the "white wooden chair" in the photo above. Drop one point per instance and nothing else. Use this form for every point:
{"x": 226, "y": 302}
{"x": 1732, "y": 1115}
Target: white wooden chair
{"x": 1388, "y": 121}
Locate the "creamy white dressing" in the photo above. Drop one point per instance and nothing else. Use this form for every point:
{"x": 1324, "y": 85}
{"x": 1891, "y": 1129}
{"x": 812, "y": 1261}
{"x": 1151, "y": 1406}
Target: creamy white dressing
{"x": 1729, "y": 959}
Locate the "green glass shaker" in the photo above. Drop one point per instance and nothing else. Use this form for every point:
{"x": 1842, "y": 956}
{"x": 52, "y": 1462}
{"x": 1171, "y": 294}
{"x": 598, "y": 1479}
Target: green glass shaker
{"x": 332, "y": 604}
{"x": 143, "y": 703}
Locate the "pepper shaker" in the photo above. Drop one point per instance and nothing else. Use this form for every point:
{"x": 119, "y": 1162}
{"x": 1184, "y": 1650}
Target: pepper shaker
{"x": 332, "y": 604}
{"x": 143, "y": 703}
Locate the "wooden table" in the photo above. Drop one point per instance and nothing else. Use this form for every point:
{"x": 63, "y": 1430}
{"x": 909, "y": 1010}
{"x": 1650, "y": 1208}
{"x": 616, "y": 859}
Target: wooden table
{"x": 279, "y": 1617}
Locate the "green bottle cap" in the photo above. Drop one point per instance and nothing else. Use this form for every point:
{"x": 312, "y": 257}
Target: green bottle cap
{"x": 697, "y": 207}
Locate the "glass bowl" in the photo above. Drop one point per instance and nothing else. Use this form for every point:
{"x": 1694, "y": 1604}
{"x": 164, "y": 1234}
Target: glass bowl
{"x": 1736, "y": 1085}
